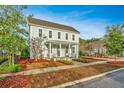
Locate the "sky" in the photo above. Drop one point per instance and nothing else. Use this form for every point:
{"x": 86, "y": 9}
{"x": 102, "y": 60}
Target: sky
{"x": 90, "y": 21}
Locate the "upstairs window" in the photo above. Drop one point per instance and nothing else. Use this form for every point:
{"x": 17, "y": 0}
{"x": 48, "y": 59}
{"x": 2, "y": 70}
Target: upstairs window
{"x": 59, "y": 35}
{"x": 50, "y": 34}
{"x": 40, "y": 32}
{"x": 66, "y": 36}
{"x": 73, "y": 37}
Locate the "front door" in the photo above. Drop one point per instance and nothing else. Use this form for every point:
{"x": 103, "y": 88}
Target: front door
{"x": 58, "y": 51}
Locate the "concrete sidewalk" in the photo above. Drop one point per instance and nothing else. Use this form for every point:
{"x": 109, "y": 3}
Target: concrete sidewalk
{"x": 49, "y": 69}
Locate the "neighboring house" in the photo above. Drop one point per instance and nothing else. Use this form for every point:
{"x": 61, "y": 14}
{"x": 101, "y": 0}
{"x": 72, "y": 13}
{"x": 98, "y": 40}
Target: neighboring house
{"x": 93, "y": 47}
{"x": 96, "y": 48}
{"x": 62, "y": 40}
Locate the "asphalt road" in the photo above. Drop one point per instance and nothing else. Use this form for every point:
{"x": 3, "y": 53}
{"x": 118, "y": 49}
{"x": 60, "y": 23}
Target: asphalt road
{"x": 114, "y": 80}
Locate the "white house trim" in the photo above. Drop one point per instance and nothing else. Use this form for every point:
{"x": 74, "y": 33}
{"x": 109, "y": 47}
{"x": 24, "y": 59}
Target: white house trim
{"x": 55, "y": 47}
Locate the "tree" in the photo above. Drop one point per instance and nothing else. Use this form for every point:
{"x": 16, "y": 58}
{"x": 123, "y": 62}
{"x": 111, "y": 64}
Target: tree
{"x": 12, "y": 30}
{"x": 37, "y": 46}
{"x": 25, "y": 53}
{"x": 114, "y": 40}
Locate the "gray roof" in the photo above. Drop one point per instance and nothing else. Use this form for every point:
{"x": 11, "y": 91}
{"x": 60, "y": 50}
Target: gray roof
{"x": 51, "y": 24}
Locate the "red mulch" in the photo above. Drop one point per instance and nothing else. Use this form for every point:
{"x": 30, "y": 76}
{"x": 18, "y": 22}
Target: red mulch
{"x": 24, "y": 61}
{"x": 54, "y": 78}
{"x": 116, "y": 63}
{"x": 93, "y": 58}
{"x": 36, "y": 65}
{"x": 14, "y": 82}
{"x": 67, "y": 75}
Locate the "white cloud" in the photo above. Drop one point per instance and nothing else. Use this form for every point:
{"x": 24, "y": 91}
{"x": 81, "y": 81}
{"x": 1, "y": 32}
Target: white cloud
{"x": 75, "y": 14}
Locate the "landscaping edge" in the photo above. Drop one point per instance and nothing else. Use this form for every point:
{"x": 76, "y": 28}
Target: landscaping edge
{"x": 85, "y": 79}
{"x": 49, "y": 69}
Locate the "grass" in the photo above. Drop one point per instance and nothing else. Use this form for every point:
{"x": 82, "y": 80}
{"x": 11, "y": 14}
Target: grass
{"x": 6, "y": 68}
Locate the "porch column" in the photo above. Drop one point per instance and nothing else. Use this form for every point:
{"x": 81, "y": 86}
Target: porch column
{"x": 60, "y": 47}
{"x": 50, "y": 50}
{"x": 69, "y": 47}
{"x": 77, "y": 51}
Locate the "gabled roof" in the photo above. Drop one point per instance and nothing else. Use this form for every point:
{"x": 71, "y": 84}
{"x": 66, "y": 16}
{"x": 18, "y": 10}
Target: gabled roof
{"x": 51, "y": 24}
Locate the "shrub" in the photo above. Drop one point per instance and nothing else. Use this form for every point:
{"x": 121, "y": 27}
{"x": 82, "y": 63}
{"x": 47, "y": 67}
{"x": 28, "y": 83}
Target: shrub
{"x": 82, "y": 60}
{"x": 7, "y": 68}
{"x": 82, "y": 52}
{"x": 3, "y": 59}
{"x": 25, "y": 54}
{"x": 2, "y": 78}
{"x": 52, "y": 60}
{"x": 66, "y": 62}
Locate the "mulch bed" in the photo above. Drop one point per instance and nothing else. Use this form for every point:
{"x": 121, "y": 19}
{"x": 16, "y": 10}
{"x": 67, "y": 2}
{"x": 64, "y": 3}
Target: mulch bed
{"x": 119, "y": 63}
{"x": 88, "y": 59}
{"x": 59, "y": 77}
{"x": 37, "y": 65}
{"x": 28, "y": 64}
{"x": 24, "y": 61}
{"x": 15, "y": 82}
{"x": 92, "y": 58}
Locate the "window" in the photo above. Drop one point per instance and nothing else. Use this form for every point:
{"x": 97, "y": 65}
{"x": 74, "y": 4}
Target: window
{"x": 59, "y": 35}
{"x": 50, "y": 34}
{"x": 40, "y": 32}
{"x": 73, "y": 37}
{"x": 66, "y": 36}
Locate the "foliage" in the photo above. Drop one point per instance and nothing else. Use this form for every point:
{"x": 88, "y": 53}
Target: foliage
{"x": 1, "y": 78}
{"x": 66, "y": 62}
{"x": 7, "y": 68}
{"x": 82, "y": 60}
{"x": 86, "y": 60}
{"x": 3, "y": 59}
{"x": 114, "y": 40}
{"x": 12, "y": 30}
{"x": 25, "y": 53}
{"x": 37, "y": 46}
{"x": 52, "y": 60}
{"x": 92, "y": 40}
{"x": 82, "y": 52}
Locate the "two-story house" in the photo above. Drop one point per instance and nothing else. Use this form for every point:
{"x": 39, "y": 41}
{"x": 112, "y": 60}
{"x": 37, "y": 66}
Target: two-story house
{"x": 62, "y": 40}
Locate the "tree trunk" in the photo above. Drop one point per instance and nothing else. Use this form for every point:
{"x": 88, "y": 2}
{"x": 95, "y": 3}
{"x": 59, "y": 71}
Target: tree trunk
{"x": 13, "y": 60}
{"x": 9, "y": 58}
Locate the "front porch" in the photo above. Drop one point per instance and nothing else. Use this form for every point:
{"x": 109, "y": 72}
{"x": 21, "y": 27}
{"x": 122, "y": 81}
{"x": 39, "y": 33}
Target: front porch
{"x": 55, "y": 49}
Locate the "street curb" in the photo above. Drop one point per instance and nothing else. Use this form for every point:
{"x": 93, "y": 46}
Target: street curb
{"x": 85, "y": 79}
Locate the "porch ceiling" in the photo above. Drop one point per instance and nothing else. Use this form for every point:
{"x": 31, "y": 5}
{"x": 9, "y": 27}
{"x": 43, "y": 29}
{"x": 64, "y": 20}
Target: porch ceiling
{"x": 62, "y": 42}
